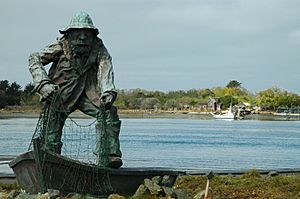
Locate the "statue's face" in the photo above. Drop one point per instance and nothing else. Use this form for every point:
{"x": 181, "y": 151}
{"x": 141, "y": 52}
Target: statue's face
{"x": 81, "y": 39}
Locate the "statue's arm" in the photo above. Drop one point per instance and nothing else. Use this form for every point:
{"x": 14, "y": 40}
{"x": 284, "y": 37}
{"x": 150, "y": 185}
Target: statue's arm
{"x": 106, "y": 76}
{"x": 38, "y": 60}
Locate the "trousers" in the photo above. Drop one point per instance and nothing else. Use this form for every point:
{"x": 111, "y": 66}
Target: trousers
{"x": 57, "y": 118}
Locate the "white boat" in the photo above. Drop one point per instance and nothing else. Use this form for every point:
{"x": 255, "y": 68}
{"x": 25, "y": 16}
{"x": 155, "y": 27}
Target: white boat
{"x": 227, "y": 115}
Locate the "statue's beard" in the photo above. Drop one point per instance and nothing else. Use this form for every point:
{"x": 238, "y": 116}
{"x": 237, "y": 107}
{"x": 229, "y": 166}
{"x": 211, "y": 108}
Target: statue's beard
{"x": 81, "y": 48}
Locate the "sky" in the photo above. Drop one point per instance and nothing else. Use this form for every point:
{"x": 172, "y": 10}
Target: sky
{"x": 167, "y": 44}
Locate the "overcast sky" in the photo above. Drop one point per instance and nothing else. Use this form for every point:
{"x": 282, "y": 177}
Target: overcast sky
{"x": 167, "y": 45}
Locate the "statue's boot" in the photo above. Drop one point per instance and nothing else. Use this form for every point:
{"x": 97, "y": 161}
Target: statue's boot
{"x": 113, "y": 126}
{"x": 115, "y": 162}
{"x": 113, "y": 131}
{"x": 54, "y": 132}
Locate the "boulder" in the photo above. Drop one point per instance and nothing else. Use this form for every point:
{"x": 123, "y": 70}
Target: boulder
{"x": 13, "y": 193}
{"x": 154, "y": 188}
{"x": 141, "y": 192}
{"x": 3, "y": 195}
{"x": 115, "y": 196}
{"x": 182, "y": 194}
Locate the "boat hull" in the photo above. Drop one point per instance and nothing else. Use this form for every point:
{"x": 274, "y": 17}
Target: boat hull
{"x": 223, "y": 116}
{"x": 68, "y": 175}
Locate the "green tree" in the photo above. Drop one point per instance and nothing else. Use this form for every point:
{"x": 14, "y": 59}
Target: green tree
{"x": 150, "y": 103}
{"x": 227, "y": 100}
{"x": 206, "y": 93}
{"x": 272, "y": 98}
{"x": 233, "y": 84}
{"x": 29, "y": 97}
{"x": 10, "y": 94}
{"x": 13, "y": 93}
{"x": 4, "y": 84}
{"x": 171, "y": 104}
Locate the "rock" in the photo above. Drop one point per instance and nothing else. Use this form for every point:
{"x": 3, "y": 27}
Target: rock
{"x": 115, "y": 196}
{"x": 43, "y": 196}
{"x": 141, "y": 192}
{"x": 154, "y": 188}
{"x": 13, "y": 193}
{"x": 53, "y": 193}
{"x": 157, "y": 180}
{"x": 3, "y": 195}
{"x": 24, "y": 195}
{"x": 74, "y": 196}
{"x": 80, "y": 196}
{"x": 169, "y": 192}
{"x": 91, "y": 197}
{"x": 168, "y": 181}
{"x": 182, "y": 194}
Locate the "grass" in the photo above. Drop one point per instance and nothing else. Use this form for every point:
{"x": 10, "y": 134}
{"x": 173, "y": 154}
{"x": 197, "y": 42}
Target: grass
{"x": 8, "y": 187}
{"x": 250, "y": 185}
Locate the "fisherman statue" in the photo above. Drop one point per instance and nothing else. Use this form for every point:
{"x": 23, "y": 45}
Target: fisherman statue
{"x": 82, "y": 77}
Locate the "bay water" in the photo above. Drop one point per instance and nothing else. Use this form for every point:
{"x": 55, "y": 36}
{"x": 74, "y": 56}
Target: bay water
{"x": 184, "y": 143}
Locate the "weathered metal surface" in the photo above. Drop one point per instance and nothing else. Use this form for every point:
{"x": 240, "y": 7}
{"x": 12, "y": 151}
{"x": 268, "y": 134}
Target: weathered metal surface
{"x": 69, "y": 175}
{"x": 102, "y": 139}
{"x": 80, "y": 20}
{"x": 81, "y": 77}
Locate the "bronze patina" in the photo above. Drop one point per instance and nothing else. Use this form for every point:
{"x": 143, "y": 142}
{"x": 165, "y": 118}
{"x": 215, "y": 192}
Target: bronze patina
{"x": 81, "y": 77}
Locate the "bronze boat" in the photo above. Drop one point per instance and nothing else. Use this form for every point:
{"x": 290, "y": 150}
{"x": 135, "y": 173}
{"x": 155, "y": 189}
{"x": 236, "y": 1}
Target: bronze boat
{"x": 54, "y": 171}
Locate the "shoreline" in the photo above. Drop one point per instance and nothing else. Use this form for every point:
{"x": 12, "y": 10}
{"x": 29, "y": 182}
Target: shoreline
{"x": 34, "y": 113}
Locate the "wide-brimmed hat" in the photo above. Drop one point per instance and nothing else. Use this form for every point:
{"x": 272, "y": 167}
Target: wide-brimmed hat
{"x": 80, "y": 20}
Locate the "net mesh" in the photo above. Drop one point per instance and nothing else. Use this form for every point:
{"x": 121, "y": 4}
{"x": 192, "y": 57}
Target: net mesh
{"x": 79, "y": 141}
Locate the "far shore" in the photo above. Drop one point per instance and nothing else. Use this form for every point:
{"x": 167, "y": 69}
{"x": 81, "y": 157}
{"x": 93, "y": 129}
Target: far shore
{"x": 29, "y": 112}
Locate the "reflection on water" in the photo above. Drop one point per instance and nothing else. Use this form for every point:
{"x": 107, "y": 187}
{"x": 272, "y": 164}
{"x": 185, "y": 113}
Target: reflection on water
{"x": 187, "y": 143}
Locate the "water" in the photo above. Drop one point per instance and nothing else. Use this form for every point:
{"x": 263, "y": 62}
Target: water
{"x": 187, "y": 143}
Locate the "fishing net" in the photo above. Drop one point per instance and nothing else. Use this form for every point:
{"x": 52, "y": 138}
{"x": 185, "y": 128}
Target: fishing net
{"x": 79, "y": 144}
{"x": 79, "y": 139}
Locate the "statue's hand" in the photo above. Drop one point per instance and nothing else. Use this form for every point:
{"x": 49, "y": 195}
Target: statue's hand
{"x": 107, "y": 99}
{"x": 47, "y": 91}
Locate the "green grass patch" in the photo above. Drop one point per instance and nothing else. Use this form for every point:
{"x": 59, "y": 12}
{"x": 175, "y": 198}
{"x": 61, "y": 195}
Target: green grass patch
{"x": 9, "y": 187}
{"x": 249, "y": 185}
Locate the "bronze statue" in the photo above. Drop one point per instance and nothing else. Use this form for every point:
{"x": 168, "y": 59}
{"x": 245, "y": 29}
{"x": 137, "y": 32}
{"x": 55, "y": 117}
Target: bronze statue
{"x": 82, "y": 76}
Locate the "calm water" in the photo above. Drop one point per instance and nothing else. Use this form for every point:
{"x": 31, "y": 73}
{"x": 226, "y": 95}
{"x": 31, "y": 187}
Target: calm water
{"x": 184, "y": 143}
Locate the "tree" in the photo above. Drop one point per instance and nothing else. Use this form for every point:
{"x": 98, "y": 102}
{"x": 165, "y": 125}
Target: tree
{"x": 273, "y": 98}
{"x": 205, "y": 93}
{"x": 233, "y": 84}
{"x": 13, "y": 93}
{"x": 9, "y": 93}
{"x": 150, "y": 103}
{"x": 171, "y": 104}
{"x": 227, "y": 100}
{"x": 28, "y": 97}
{"x": 3, "y": 100}
{"x": 4, "y": 84}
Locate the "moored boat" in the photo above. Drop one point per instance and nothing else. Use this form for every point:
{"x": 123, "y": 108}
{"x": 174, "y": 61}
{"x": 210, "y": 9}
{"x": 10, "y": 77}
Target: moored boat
{"x": 228, "y": 115}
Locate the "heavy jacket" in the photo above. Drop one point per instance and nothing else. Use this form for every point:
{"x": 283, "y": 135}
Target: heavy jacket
{"x": 93, "y": 77}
